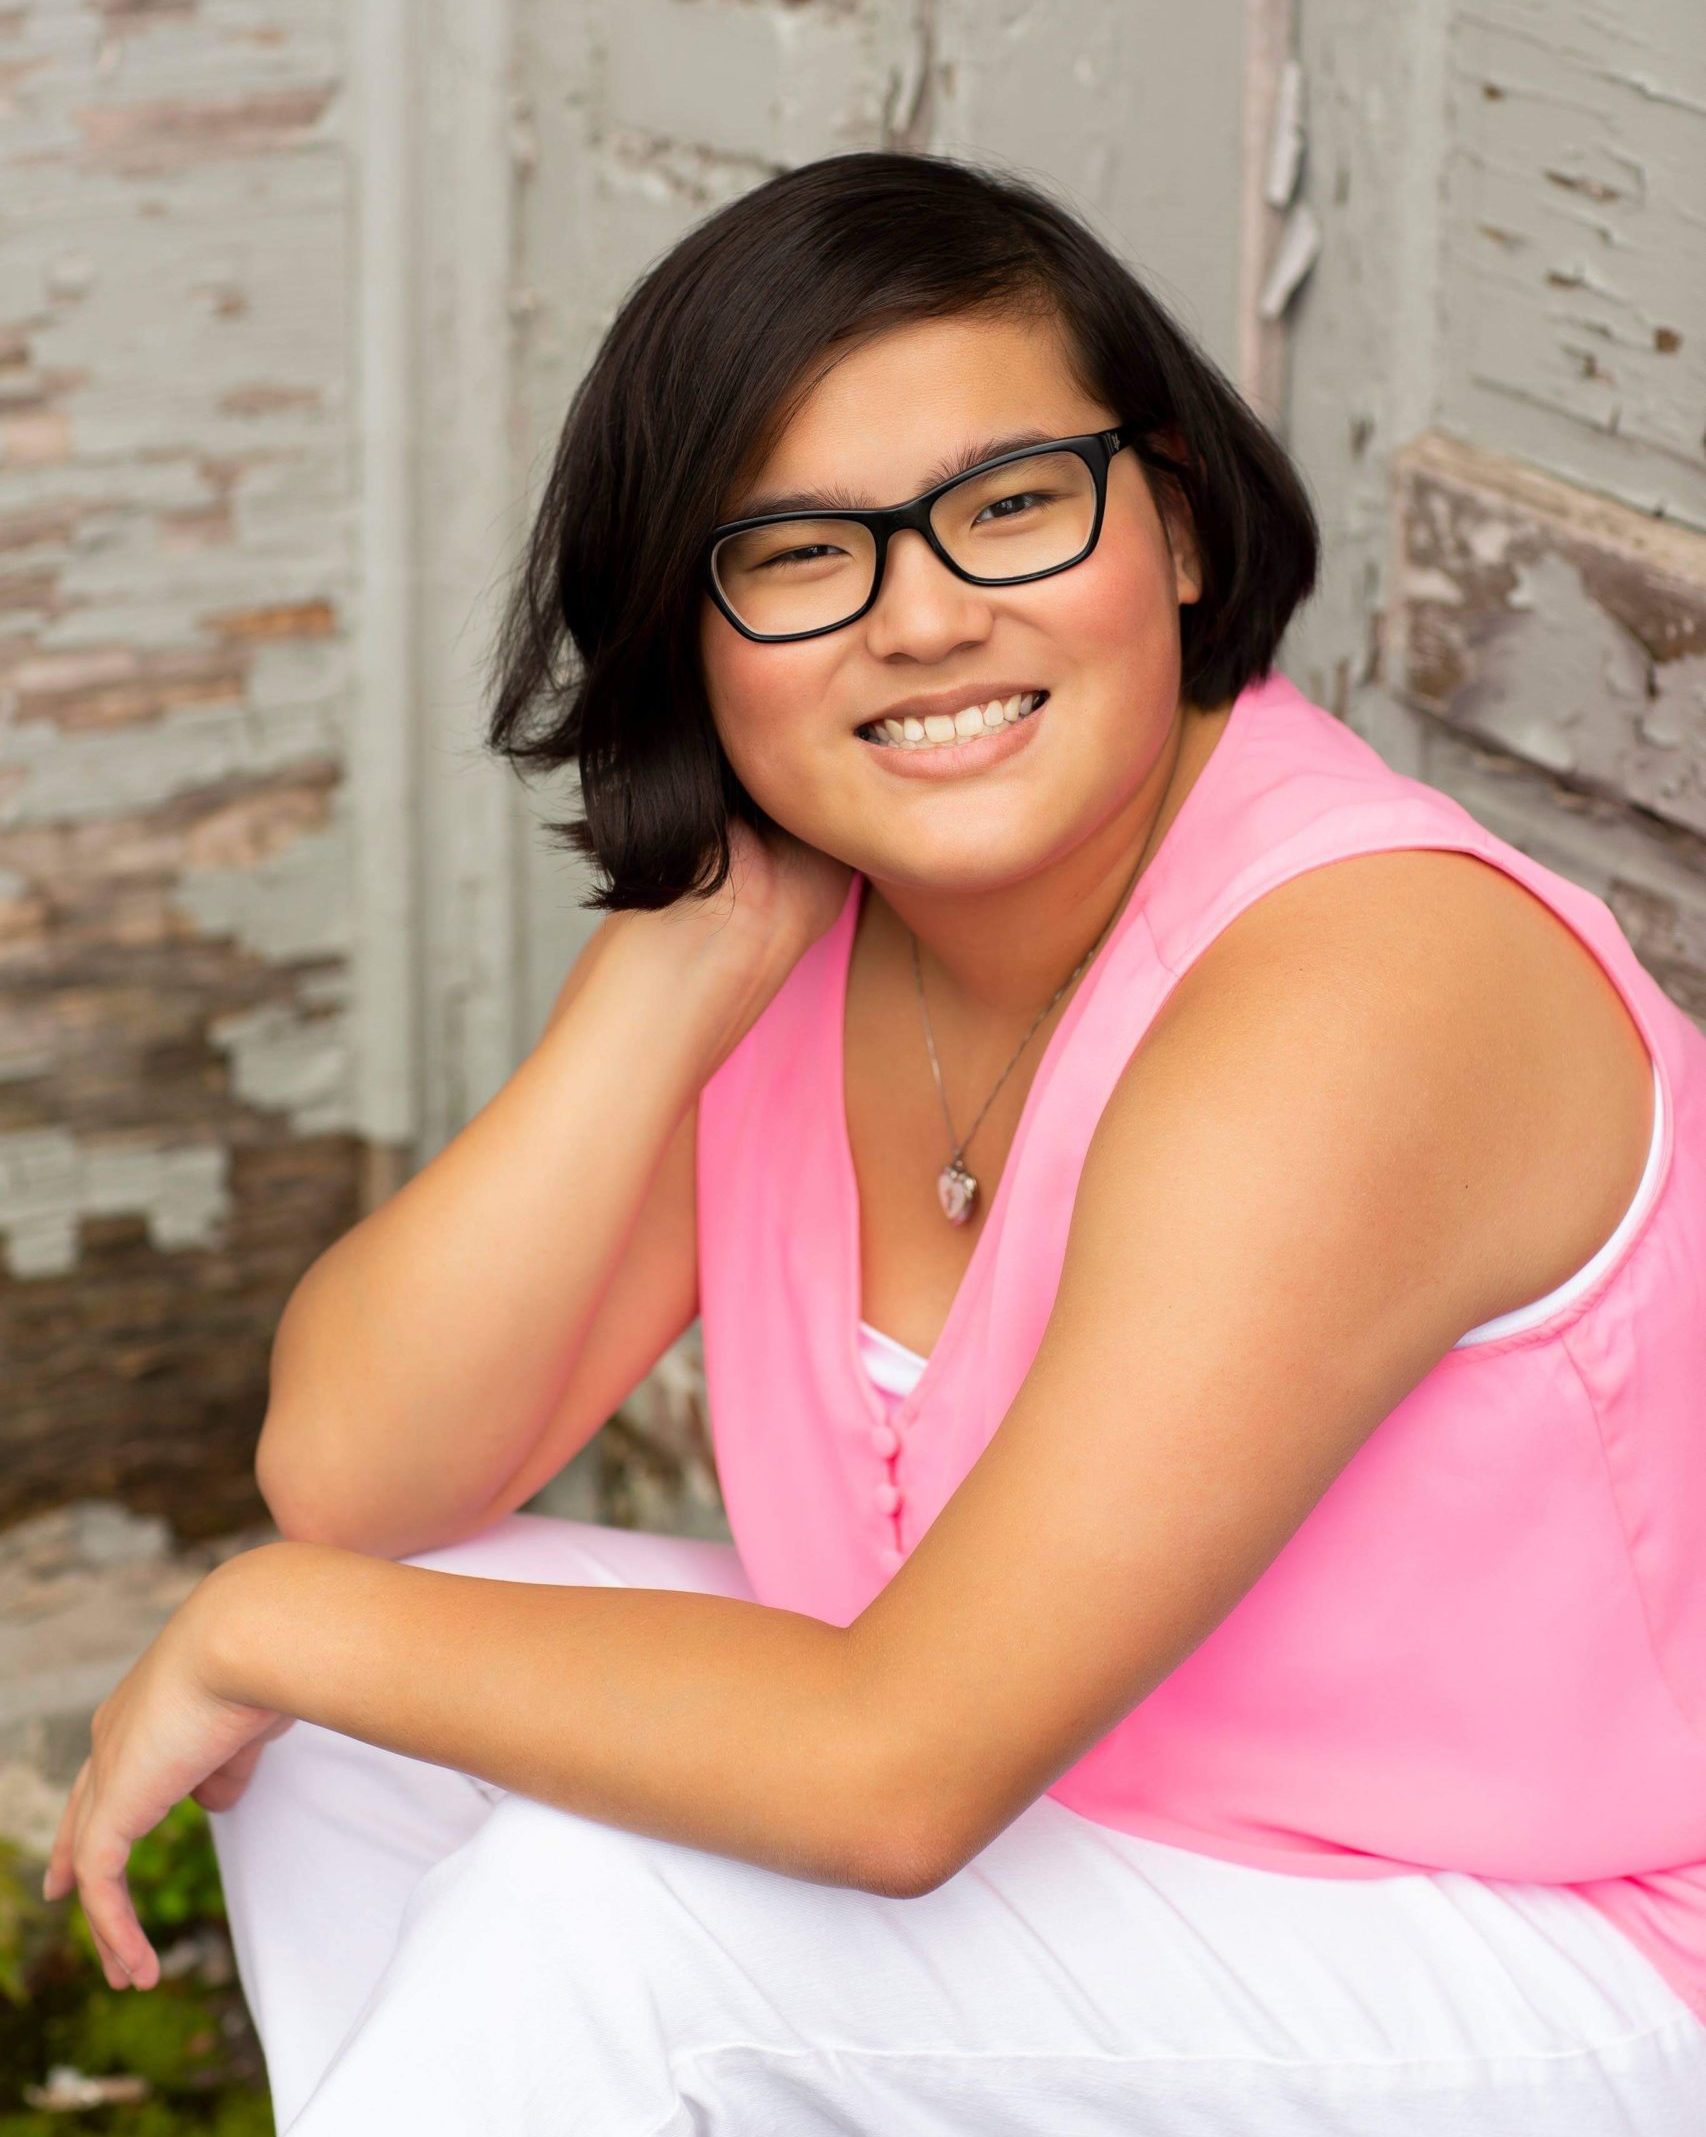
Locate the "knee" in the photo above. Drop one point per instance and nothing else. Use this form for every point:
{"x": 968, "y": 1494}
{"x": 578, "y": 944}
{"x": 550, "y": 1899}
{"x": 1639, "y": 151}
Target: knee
{"x": 532, "y": 1840}
{"x": 574, "y": 1871}
{"x": 551, "y": 1549}
{"x": 494, "y": 1552}
{"x": 469, "y": 1553}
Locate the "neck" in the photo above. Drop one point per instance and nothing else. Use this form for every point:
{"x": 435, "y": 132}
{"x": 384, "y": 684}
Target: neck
{"x": 1002, "y": 953}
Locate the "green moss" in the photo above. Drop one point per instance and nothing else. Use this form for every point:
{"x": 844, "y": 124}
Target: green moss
{"x": 239, "y": 2115}
{"x": 191, "y": 2040}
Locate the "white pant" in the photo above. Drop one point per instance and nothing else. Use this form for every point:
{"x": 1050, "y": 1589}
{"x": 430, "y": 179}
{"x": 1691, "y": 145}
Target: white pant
{"x": 427, "y": 1953}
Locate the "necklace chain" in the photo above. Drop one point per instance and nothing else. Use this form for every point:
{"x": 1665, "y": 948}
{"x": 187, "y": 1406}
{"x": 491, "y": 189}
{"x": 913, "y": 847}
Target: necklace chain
{"x": 956, "y": 1188}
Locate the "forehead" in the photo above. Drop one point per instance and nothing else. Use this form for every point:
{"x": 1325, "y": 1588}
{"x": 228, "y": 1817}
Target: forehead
{"x": 905, "y": 409}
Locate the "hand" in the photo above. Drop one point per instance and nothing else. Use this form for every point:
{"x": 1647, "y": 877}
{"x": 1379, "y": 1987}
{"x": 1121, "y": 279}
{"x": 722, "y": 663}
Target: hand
{"x": 162, "y": 1733}
{"x": 799, "y": 889}
{"x": 781, "y": 894}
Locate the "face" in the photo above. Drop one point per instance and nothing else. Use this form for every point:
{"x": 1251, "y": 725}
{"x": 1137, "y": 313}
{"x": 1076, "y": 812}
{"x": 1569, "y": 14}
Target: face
{"x": 1101, "y": 637}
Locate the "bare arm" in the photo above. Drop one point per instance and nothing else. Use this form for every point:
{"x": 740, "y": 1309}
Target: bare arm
{"x": 1333, "y": 1152}
{"x": 704, "y": 1719}
{"x": 427, "y": 1372}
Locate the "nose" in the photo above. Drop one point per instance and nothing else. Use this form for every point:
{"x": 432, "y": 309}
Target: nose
{"x": 922, "y": 608}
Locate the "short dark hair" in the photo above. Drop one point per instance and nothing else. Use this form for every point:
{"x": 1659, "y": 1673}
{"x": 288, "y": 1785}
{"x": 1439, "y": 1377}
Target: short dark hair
{"x": 696, "y": 378}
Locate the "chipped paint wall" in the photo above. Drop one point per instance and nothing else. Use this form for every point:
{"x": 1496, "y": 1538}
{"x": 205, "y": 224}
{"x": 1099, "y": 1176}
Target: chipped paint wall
{"x": 1497, "y": 387}
{"x": 176, "y": 1121}
{"x": 291, "y": 304}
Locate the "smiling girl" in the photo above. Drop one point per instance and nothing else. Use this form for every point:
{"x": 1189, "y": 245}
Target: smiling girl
{"x": 1200, "y": 1250}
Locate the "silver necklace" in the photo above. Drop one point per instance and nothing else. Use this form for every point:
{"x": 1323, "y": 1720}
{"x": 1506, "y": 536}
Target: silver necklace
{"x": 956, "y": 1188}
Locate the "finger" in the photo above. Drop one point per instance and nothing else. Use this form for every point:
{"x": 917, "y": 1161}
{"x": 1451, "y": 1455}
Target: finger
{"x": 75, "y": 1821}
{"x": 107, "y": 1902}
{"x": 127, "y": 1961}
{"x": 52, "y": 1884}
{"x": 117, "y": 1973}
{"x": 58, "y": 1880}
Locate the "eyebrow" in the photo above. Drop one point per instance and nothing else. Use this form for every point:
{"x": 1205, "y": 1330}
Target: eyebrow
{"x": 839, "y": 499}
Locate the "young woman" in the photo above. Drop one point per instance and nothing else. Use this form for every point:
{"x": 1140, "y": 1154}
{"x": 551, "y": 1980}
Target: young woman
{"x": 1200, "y": 1249}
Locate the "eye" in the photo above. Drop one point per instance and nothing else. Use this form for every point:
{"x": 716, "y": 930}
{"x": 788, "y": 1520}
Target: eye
{"x": 1019, "y": 497}
{"x": 790, "y": 556}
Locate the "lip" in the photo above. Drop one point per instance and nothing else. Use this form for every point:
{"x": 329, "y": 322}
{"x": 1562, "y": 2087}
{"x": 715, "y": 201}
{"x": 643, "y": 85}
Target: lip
{"x": 951, "y": 760}
{"x": 950, "y": 701}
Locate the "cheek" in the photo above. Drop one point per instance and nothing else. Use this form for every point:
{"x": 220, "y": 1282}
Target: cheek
{"x": 1121, "y": 602}
{"x": 766, "y": 702}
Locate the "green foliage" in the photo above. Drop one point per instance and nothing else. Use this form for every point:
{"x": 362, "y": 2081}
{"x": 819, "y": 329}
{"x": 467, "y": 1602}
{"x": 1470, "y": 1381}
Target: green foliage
{"x": 236, "y": 2115}
{"x": 56, "y": 2007}
{"x": 167, "y": 2039}
{"x": 173, "y": 1875}
{"x": 14, "y": 1927}
{"x": 25, "y": 1921}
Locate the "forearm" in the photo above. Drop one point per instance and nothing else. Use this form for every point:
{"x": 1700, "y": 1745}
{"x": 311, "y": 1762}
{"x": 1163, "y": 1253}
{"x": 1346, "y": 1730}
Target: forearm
{"x": 730, "y": 1726}
{"x": 424, "y": 1351}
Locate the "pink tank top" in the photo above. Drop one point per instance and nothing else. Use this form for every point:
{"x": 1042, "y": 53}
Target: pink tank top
{"x": 1484, "y": 1649}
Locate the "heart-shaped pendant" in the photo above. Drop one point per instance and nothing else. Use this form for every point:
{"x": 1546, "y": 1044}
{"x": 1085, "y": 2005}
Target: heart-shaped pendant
{"x": 957, "y": 1191}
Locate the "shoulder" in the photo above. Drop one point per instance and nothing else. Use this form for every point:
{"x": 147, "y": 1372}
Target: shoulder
{"x": 1439, "y": 949}
{"x": 1408, "y": 948}
{"x": 1416, "y": 1038}
{"x": 1422, "y": 901}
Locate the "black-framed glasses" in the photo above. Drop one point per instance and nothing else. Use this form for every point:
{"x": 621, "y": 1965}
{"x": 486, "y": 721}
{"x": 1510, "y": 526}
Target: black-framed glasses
{"x": 1022, "y": 515}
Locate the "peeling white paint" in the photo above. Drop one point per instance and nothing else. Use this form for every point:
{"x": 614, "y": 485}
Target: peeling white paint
{"x": 1297, "y": 251}
{"x": 1561, "y": 684}
{"x": 286, "y": 1064}
{"x": 1425, "y": 583}
{"x": 288, "y": 905}
{"x": 1490, "y": 540}
{"x": 50, "y": 1179}
{"x": 1285, "y": 147}
{"x": 80, "y": 777}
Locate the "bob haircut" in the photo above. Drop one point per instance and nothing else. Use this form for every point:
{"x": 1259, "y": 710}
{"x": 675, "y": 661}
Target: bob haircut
{"x": 695, "y": 380}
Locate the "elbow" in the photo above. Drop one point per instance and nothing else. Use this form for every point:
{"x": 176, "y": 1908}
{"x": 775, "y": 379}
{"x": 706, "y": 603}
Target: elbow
{"x": 296, "y": 1520}
{"x": 908, "y": 1818}
{"x": 311, "y": 1501}
{"x": 292, "y": 1467}
{"x": 906, "y": 1876}
{"x": 908, "y": 1844}
{"x": 296, "y": 1494}
{"x": 905, "y": 1865}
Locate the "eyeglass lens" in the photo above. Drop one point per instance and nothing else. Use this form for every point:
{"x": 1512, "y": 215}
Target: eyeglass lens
{"x": 1031, "y": 515}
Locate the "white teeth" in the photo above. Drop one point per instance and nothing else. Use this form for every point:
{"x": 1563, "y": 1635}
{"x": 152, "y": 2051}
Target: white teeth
{"x": 911, "y": 733}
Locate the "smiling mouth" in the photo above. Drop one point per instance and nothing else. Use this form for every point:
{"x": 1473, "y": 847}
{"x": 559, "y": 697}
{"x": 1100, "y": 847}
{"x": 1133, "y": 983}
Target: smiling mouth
{"x": 939, "y": 730}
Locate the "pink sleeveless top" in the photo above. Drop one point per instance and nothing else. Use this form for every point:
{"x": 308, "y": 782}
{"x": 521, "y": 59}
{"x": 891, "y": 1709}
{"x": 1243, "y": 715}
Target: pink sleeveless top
{"x": 1484, "y": 1649}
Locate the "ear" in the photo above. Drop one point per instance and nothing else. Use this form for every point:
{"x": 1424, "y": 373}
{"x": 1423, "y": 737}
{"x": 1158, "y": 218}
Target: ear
{"x": 1176, "y": 520}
